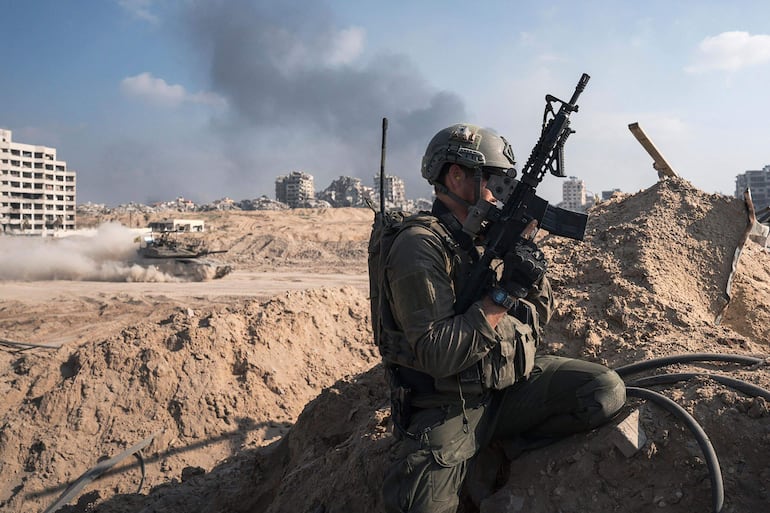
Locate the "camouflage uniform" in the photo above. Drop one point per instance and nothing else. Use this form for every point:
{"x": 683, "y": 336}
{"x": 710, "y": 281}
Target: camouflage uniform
{"x": 469, "y": 383}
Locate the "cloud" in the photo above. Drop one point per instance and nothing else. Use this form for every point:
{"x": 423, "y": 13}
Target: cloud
{"x": 158, "y": 91}
{"x": 154, "y": 89}
{"x": 731, "y": 51}
{"x": 139, "y": 9}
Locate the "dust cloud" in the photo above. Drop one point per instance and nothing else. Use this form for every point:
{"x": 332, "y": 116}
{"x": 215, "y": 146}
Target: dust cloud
{"x": 104, "y": 254}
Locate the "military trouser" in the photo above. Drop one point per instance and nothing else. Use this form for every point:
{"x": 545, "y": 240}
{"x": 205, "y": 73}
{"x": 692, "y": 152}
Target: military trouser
{"x": 561, "y": 397}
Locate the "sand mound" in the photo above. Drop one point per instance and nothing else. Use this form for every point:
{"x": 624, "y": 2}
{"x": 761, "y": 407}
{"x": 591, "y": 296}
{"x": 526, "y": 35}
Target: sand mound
{"x": 654, "y": 266}
{"x": 650, "y": 279}
{"x": 210, "y": 383}
{"x": 318, "y": 240}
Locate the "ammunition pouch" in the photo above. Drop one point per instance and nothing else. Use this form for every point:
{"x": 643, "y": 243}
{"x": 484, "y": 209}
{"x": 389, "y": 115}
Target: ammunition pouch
{"x": 523, "y": 312}
{"x": 526, "y": 339}
{"x": 513, "y": 357}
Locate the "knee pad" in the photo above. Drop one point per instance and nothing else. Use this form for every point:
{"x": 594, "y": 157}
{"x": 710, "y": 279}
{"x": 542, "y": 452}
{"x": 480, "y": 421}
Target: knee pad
{"x": 603, "y": 397}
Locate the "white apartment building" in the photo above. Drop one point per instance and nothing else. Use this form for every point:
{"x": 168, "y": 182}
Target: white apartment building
{"x": 37, "y": 193}
{"x": 573, "y": 193}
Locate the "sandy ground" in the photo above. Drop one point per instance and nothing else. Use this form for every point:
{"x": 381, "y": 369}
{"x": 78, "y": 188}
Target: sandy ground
{"x": 261, "y": 285}
{"x": 262, "y": 391}
{"x": 121, "y": 304}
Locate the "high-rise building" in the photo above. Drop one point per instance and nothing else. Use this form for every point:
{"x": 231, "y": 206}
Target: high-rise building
{"x": 395, "y": 191}
{"x": 37, "y": 193}
{"x": 296, "y": 189}
{"x": 573, "y": 193}
{"x": 759, "y": 184}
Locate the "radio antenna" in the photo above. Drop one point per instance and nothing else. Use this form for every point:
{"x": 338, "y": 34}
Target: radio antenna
{"x": 382, "y": 165}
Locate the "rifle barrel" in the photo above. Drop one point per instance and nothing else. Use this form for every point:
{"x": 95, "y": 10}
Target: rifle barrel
{"x": 581, "y": 85}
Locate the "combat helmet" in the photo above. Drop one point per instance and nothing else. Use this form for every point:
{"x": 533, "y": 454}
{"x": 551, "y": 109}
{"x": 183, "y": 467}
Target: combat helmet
{"x": 467, "y": 145}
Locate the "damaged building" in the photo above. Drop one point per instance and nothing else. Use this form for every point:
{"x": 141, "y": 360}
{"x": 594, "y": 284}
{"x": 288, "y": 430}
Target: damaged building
{"x": 346, "y": 191}
{"x": 295, "y": 189}
{"x": 37, "y": 192}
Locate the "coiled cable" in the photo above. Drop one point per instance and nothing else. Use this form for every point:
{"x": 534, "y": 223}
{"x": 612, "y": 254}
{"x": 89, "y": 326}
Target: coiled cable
{"x": 667, "y": 379}
{"x": 654, "y": 363}
{"x": 712, "y": 462}
{"x": 636, "y": 389}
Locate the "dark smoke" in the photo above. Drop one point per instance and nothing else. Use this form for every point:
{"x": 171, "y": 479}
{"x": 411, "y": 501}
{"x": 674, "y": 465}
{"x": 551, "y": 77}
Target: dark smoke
{"x": 293, "y": 109}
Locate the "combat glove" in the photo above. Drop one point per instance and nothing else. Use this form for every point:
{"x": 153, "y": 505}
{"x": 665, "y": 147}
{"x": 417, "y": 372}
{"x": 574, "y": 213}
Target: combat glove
{"x": 523, "y": 267}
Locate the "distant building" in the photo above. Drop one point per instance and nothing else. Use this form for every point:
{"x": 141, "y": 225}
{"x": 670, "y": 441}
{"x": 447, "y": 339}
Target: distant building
{"x": 184, "y": 204}
{"x": 177, "y": 225}
{"x": 609, "y": 194}
{"x": 296, "y": 189}
{"x": 574, "y": 195}
{"x": 37, "y": 193}
{"x": 395, "y": 191}
{"x": 759, "y": 183}
{"x": 223, "y": 204}
{"x": 346, "y": 191}
{"x": 261, "y": 203}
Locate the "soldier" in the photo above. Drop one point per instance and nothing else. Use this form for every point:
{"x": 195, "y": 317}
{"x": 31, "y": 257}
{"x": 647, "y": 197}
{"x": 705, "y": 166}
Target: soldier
{"x": 463, "y": 380}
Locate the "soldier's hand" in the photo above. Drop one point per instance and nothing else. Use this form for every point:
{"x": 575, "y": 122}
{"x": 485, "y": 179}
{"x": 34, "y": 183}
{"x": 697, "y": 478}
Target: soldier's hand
{"x": 523, "y": 267}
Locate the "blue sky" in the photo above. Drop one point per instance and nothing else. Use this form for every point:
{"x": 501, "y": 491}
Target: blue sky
{"x": 153, "y": 99}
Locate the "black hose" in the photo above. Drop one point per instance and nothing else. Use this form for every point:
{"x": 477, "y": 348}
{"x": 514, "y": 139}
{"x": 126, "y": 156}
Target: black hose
{"x": 666, "y": 379}
{"x": 140, "y": 457}
{"x": 715, "y": 473}
{"x": 634, "y": 368}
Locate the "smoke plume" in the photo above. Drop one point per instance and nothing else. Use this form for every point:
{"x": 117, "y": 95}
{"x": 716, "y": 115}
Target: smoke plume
{"x": 301, "y": 99}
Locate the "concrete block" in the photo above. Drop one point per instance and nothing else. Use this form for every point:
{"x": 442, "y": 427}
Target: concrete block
{"x": 629, "y": 436}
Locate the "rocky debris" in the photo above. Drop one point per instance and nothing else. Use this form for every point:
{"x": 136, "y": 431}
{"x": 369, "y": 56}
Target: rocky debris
{"x": 261, "y": 203}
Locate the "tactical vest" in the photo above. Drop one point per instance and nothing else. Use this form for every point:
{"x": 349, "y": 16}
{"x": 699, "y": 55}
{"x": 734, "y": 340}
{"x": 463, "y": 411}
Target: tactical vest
{"x": 508, "y": 361}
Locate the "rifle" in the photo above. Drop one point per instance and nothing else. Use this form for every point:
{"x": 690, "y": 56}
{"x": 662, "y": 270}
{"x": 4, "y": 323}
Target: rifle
{"x": 502, "y": 227}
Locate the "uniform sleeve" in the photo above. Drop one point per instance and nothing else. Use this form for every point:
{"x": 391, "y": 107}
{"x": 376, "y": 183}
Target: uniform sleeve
{"x": 541, "y": 299}
{"x": 422, "y": 297}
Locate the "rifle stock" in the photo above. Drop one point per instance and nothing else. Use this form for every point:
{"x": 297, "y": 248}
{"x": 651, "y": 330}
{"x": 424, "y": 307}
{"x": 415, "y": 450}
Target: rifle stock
{"x": 502, "y": 227}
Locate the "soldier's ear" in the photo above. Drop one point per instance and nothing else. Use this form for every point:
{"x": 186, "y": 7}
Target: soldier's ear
{"x": 456, "y": 174}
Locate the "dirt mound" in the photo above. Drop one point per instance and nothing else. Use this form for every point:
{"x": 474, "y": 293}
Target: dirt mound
{"x": 318, "y": 240}
{"x": 653, "y": 266}
{"x": 650, "y": 279}
{"x": 210, "y": 383}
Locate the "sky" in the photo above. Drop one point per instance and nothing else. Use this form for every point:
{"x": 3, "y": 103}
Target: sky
{"x": 149, "y": 100}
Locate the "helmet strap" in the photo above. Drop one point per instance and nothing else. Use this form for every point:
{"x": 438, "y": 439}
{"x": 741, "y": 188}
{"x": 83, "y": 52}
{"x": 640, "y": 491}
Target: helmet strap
{"x": 477, "y": 174}
{"x": 440, "y": 187}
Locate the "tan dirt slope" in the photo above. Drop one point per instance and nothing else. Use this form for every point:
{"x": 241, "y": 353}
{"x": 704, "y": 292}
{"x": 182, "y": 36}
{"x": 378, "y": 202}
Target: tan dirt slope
{"x": 279, "y": 405}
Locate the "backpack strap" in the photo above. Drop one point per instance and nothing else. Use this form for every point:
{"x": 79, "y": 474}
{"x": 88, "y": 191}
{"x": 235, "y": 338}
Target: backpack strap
{"x": 430, "y": 222}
